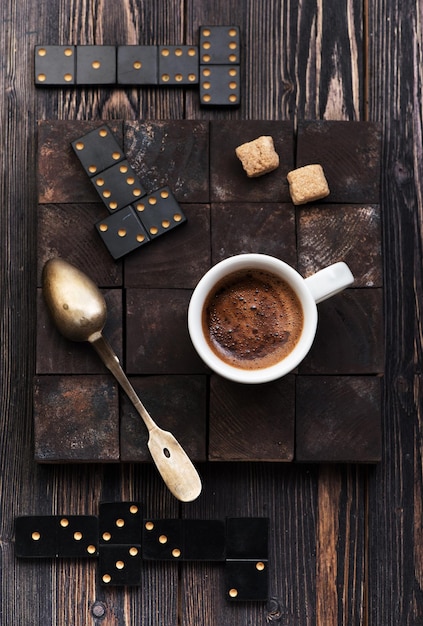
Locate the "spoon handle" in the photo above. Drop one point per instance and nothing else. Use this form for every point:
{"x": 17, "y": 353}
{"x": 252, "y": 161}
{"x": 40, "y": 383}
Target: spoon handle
{"x": 111, "y": 361}
{"x": 170, "y": 458}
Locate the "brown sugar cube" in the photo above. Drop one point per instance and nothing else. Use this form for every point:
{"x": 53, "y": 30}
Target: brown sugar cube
{"x": 258, "y": 157}
{"x": 307, "y": 184}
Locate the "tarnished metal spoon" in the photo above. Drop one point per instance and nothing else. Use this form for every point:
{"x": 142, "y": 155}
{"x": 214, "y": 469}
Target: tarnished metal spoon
{"x": 79, "y": 312}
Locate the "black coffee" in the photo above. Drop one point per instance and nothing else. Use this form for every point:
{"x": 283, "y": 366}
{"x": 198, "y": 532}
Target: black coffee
{"x": 252, "y": 319}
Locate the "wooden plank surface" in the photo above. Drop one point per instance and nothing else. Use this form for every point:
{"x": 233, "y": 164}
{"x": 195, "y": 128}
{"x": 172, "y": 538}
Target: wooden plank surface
{"x": 395, "y": 489}
{"x": 346, "y": 541}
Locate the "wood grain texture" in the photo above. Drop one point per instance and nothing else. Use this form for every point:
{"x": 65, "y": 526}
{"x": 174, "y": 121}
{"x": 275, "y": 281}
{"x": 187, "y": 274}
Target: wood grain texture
{"x": 301, "y": 61}
{"x": 396, "y": 488}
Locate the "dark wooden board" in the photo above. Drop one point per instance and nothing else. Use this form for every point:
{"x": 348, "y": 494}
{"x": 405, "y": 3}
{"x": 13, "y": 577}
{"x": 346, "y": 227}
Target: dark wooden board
{"x": 157, "y": 281}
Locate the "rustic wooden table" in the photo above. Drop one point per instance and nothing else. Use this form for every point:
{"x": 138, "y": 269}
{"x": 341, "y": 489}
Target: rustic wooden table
{"x": 346, "y": 540}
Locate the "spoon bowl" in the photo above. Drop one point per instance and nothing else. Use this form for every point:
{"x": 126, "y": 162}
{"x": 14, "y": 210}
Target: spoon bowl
{"x": 79, "y": 311}
{"x": 74, "y": 300}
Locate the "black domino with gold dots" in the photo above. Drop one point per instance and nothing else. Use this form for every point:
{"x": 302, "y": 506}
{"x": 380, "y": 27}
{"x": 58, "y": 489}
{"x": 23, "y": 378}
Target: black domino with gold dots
{"x": 214, "y": 65}
{"x": 135, "y": 217}
{"x": 122, "y": 539}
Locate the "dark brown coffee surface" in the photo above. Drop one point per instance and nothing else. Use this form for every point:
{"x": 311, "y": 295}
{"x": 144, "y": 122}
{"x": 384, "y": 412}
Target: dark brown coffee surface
{"x": 252, "y": 319}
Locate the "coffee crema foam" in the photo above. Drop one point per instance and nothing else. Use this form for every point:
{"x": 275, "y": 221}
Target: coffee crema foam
{"x": 252, "y": 319}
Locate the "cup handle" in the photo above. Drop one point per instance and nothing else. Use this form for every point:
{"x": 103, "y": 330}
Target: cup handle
{"x": 329, "y": 281}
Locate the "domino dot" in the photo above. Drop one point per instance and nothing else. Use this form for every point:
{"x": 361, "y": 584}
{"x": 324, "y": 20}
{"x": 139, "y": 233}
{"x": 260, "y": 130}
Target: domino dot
{"x": 152, "y": 200}
{"x": 77, "y": 536}
{"x": 164, "y": 193}
{"x": 104, "y": 228}
{"x": 42, "y": 52}
{"x": 91, "y": 549}
{"x": 133, "y": 509}
{"x": 133, "y": 551}
{"x": 233, "y": 593}
{"x": 64, "y": 522}
{"x": 154, "y": 230}
{"x": 162, "y": 539}
{"x": 176, "y": 552}
{"x": 178, "y": 52}
{"x": 79, "y": 145}
{"x": 137, "y": 65}
{"x": 149, "y": 525}
{"x": 177, "y": 217}
{"x": 113, "y": 205}
{"x": 99, "y": 182}
{"x": 165, "y": 52}
{"x": 140, "y": 238}
{"x": 232, "y": 32}
{"x": 120, "y": 523}
{"x": 116, "y": 155}
{"x": 121, "y": 233}
{"x": 260, "y": 566}
{"x": 106, "y": 536}
{"x": 165, "y": 223}
{"x": 96, "y": 65}
{"x": 92, "y": 169}
{"x": 36, "y": 536}
{"x": 119, "y": 565}
{"x": 103, "y": 132}
{"x": 106, "y": 578}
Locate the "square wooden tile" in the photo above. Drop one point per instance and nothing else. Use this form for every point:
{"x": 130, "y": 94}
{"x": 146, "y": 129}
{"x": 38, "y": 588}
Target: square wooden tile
{"x": 350, "y": 335}
{"x": 177, "y": 403}
{"x": 157, "y": 339}
{"x": 61, "y": 177}
{"x": 228, "y": 180}
{"x": 57, "y": 355}
{"x": 351, "y": 233}
{"x": 338, "y": 419}
{"x": 179, "y": 260}
{"x": 173, "y": 153}
{"x": 349, "y": 153}
{"x": 252, "y": 422}
{"x": 268, "y": 228}
{"x": 67, "y": 231}
{"x": 76, "y": 418}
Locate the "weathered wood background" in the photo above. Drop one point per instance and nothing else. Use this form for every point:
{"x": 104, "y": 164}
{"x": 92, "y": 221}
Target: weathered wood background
{"x": 347, "y": 541}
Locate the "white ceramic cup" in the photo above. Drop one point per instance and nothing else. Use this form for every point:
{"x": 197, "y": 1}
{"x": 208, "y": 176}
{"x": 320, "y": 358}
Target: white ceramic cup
{"x": 320, "y": 286}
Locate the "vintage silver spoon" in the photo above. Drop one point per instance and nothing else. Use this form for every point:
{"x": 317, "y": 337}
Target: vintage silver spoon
{"x": 79, "y": 311}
